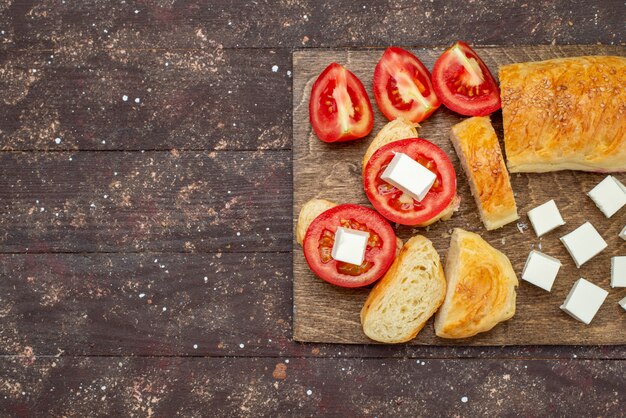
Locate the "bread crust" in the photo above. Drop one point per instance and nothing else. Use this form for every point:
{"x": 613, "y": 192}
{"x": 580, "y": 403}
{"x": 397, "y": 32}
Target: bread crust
{"x": 477, "y": 146}
{"x": 481, "y": 287}
{"x": 395, "y": 130}
{"x": 418, "y": 260}
{"x": 565, "y": 114}
{"x": 445, "y": 214}
{"x": 311, "y": 210}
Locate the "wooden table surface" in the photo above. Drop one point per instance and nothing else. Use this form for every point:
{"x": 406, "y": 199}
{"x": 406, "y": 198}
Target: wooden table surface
{"x": 145, "y": 216}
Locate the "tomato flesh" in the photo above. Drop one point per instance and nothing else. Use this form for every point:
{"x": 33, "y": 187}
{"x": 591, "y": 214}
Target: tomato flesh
{"x": 395, "y": 197}
{"x": 402, "y": 86}
{"x": 328, "y": 240}
{"x": 320, "y": 238}
{"x": 393, "y": 203}
{"x": 419, "y": 89}
{"x": 464, "y": 83}
{"x": 339, "y": 108}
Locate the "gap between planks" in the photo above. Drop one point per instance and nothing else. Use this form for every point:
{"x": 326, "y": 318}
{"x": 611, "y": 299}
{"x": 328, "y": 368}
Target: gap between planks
{"x": 140, "y": 151}
{"x": 292, "y": 49}
{"x": 144, "y": 252}
{"x": 312, "y": 357}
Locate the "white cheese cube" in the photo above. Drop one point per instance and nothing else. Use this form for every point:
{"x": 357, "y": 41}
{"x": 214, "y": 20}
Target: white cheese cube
{"x": 622, "y": 303}
{"x": 609, "y": 196}
{"x": 545, "y": 218}
{"x": 622, "y": 234}
{"x": 409, "y": 176}
{"x": 541, "y": 270}
{"x": 618, "y": 271}
{"x": 350, "y": 245}
{"x": 584, "y": 300}
{"x": 583, "y": 243}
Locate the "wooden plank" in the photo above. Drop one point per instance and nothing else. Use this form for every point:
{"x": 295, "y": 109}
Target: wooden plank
{"x": 152, "y": 201}
{"x": 324, "y": 313}
{"x": 201, "y": 99}
{"x": 112, "y": 305}
{"x": 163, "y": 386}
{"x": 144, "y": 304}
{"x": 307, "y": 23}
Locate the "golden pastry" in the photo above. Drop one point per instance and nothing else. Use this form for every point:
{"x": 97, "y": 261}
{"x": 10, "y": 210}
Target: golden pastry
{"x": 477, "y": 146}
{"x": 480, "y": 289}
{"x": 565, "y": 114}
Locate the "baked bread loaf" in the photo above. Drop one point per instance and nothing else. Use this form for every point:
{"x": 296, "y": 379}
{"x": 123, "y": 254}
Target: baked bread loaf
{"x": 565, "y": 114}
{"x": 405, "y": 298}
{"x": 481, "y": 287}
{"x": 395, "y": 130}
{"x": 311, "y": 210}
{"x": 477, "y": 146}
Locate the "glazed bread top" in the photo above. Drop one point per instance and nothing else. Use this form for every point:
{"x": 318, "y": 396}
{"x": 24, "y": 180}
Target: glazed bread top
{"x": 565, "y": 114}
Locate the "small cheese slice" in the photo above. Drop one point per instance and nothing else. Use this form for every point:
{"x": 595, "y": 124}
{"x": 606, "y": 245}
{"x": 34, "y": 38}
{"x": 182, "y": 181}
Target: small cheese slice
{"x": 409, "y": 176}
{"x": 584, "y": 300}
{"x": 350, "y": 245}
{"x": 541, "y": 270}
{"x": 583, "y": 243}
{"x": 618, "y": 271}
{"x": 622, "y": 234}
{"x": 622, "y": 303}
{"x": 545, "y": 218}
{"x": 609, "y": 196}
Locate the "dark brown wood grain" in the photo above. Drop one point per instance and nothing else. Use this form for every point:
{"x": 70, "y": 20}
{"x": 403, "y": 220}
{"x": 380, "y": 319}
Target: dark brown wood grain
{"x": 201, "y": 99}
{"x": 145, "y": 201}
{"x": 141, "y": 304}
{"x": 325, "y": 313}
{"x": 306, "y": 23}
{"x": 220, "y": 304}
{"x": 76, "y": 338}
{"x": 161, "y": 386}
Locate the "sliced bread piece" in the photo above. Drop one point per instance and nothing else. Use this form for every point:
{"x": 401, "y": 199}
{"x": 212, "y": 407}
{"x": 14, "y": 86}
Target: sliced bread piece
{"x": 476, "y": 144}
{"x": 310, "y": 210}
{"x": 481, "y": 287}
{"x": 314, "y": 208}
{"x": 445, "y": 214}
{"x": 395, "y": 130}
{"x": 409, "y": 293}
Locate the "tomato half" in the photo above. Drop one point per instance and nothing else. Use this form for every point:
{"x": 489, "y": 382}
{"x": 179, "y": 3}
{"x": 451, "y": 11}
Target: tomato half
{"x": 398, "y": 206}
{"x": 339, "y": 108}
{"x": 464, "y": 83}
{"x": 320, "y": 238}
{"x": 403, "y": 87}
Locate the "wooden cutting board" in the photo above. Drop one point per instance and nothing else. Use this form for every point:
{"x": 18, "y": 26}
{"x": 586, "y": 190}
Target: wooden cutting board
{"x": 325, "y": 313}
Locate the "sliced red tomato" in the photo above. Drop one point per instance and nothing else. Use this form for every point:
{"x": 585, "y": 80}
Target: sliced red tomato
{"x": 320, "y": 238}
{"x": 339, "y": 108}
{"x": 464, "y": 83}
{"x": 398, "y": 206}
{"x": 402, "y": 86}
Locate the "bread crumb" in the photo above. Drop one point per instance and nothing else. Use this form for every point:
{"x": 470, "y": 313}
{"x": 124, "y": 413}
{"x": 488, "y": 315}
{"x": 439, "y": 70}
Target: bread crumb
{"x": 280, "y": 371}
